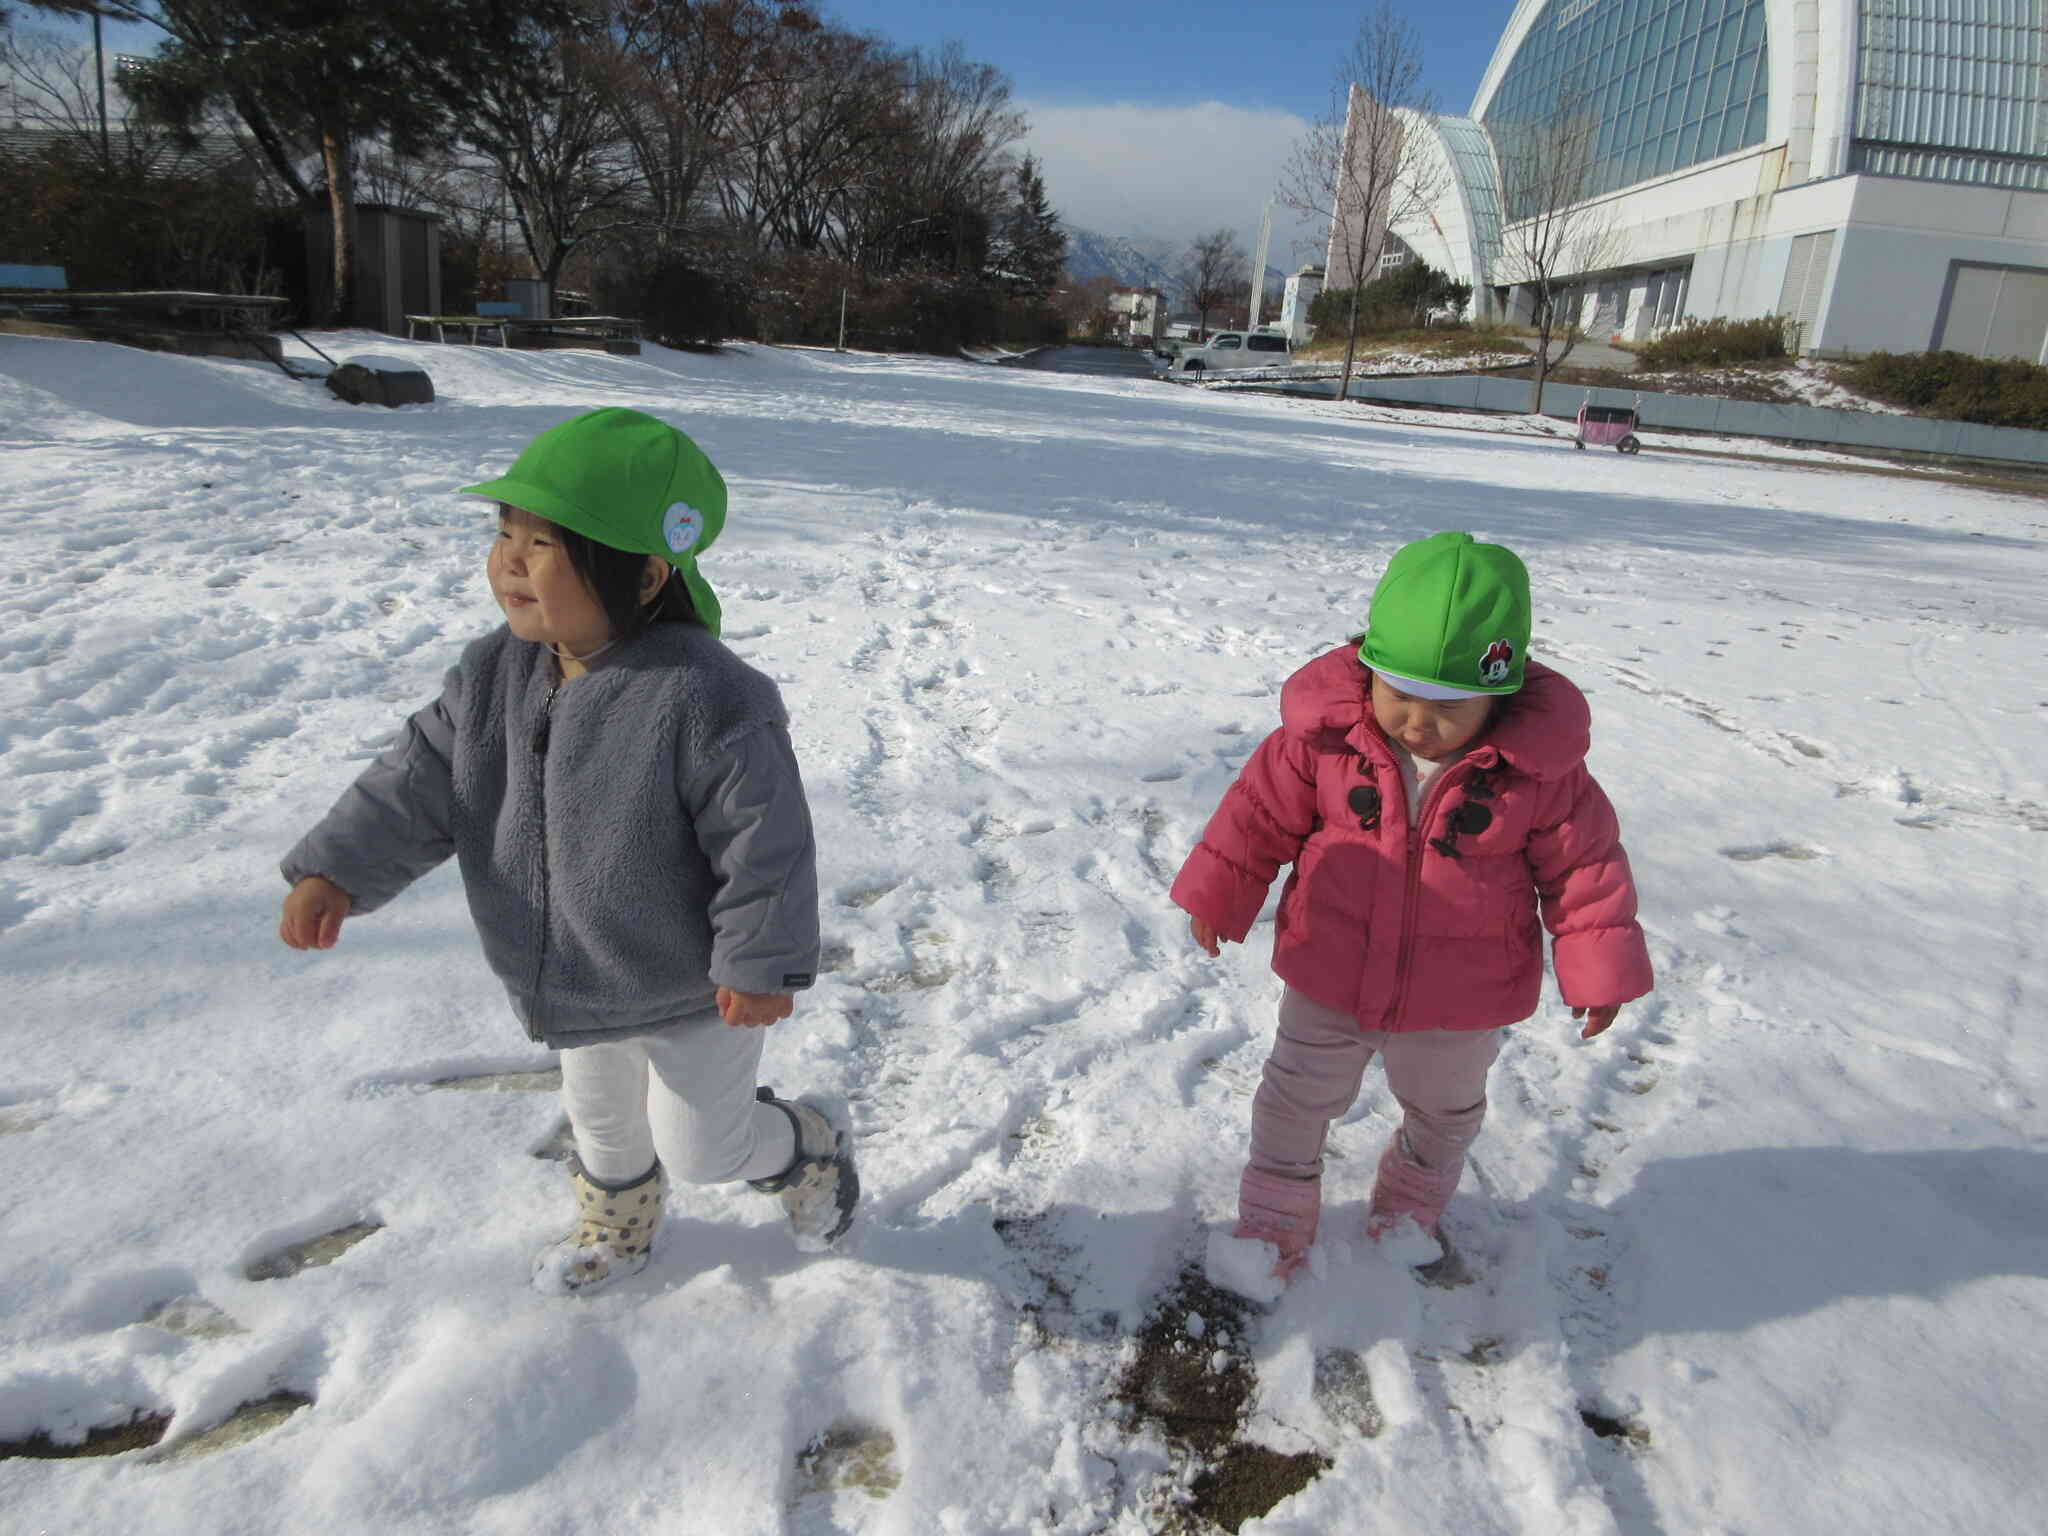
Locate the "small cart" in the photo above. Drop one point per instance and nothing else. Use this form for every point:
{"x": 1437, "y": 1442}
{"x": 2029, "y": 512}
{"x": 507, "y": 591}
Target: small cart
{"x": 1608, "y": 425}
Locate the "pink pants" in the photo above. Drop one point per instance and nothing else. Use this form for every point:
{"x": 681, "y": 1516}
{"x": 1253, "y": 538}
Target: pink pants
{"x": 1438, "y": 1076}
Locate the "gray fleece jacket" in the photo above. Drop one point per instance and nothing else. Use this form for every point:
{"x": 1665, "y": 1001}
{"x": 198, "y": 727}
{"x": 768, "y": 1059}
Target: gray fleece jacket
{"x": 629, "y": 840}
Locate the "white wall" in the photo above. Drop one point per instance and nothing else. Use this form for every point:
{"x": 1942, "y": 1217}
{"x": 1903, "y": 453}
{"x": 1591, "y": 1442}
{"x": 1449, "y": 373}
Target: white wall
{"x": 1301, "y": 292}
{"x": 1892, "y": 262}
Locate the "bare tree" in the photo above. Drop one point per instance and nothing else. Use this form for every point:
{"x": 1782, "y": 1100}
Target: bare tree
{"x": 1213, "y": 271}
{"x": 1362, "y": 167}
{"x": 554, "y": 139}
{"x": 1084, "y": 306}
{"x": 814, "y": 142}
{"x": 1557, "y": 230}
{"x": 685, "y": 71}
{"x": 946, "y": 176}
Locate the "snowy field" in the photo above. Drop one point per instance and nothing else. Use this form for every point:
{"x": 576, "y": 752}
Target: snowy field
{"x": 1771, "y": 1258}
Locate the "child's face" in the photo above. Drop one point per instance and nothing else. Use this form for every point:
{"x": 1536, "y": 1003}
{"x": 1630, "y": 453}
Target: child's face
{"x": 1429, "y": 728}
{"x": 544, "y": 598}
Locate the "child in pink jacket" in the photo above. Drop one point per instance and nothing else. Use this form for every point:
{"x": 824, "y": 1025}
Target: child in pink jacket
{"x": 1429, "y": 786}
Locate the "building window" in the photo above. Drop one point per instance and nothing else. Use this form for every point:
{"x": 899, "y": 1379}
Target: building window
{"x": 1951, "y": 90}
{"x": 1669, "y": 83}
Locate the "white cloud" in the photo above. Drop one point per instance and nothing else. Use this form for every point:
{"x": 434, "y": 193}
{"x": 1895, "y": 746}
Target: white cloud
{"x": 1172, "y": 172}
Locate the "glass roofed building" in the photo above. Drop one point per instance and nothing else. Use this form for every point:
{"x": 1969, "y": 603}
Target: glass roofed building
{"x": 1875, "y": 169}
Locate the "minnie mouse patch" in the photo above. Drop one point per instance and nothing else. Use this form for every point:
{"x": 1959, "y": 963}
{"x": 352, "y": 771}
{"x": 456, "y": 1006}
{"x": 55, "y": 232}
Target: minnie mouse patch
{"x": 1498, "y": 664}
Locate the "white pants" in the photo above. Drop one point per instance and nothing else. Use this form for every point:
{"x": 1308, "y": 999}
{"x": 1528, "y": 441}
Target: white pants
{"x": 685, "y": 1094}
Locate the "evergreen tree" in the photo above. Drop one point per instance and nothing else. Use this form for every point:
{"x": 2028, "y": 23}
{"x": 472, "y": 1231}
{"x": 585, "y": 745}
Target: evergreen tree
{"x": 1404, "y": 298}
{"x": 312, "y": 78}
{"x": 1037, "y": 251}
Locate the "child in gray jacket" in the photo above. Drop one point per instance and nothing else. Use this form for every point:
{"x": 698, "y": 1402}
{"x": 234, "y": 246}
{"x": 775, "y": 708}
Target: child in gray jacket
{"x": 622, "y": 797}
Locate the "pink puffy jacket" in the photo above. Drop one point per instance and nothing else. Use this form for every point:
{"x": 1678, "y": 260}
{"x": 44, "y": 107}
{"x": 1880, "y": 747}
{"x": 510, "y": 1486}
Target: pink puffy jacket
{"x": 1433, "y": 927}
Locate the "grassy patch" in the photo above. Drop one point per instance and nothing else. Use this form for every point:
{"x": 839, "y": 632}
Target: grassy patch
{"x": 1435, "y": 342}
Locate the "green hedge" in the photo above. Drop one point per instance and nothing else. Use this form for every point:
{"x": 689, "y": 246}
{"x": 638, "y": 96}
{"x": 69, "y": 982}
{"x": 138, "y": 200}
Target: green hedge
{"x": 1955, "y": 387}
{"x": 1710, "y": 343}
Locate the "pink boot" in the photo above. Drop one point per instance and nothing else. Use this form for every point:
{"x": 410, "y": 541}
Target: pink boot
{"x": 1280, "y": 1211}
{"x": 1406, "y": 1188}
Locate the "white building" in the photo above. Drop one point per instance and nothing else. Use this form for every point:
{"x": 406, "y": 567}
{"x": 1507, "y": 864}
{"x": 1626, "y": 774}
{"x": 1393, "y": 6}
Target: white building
{"x": 1141, "y": 314}
{"x": 1300, "y": 293}
{"x": 1875, "y": 169}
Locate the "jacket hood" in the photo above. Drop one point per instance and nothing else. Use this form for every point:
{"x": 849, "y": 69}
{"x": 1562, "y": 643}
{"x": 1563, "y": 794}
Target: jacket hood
{"x": 1543, "y": 731}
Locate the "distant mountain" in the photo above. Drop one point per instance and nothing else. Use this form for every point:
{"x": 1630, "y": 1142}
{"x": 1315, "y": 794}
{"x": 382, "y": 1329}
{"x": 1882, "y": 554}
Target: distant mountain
{"x": 1138, "y": 261}
{"x": 1134, "y": 261}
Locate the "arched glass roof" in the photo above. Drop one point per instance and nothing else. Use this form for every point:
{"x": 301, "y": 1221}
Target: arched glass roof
{"x": 1665, "y": 83}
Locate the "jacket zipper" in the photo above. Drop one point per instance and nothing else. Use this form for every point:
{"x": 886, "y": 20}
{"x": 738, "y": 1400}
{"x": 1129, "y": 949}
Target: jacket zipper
{"x": 1416, "y": 842}
{"x": 534, "y": 1028}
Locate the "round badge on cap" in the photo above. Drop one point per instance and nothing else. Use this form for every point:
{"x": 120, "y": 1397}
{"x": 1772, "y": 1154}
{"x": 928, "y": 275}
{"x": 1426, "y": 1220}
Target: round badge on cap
{"x": 682, "y": 527}
{"x": 1498, "y": 664}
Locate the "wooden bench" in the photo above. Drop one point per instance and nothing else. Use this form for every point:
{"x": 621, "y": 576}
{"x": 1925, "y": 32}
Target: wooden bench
{"x": 44, "y": 291}
{"x": 594, "y": 327}
{"x": 492, "y": 316}
{"x": 219, "y": 311}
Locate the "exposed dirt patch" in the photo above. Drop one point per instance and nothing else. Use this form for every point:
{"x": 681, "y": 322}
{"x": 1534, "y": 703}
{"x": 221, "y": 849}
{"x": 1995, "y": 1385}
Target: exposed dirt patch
{"x": 851, "y": 1454}
{"x": 1247, "y": 1481}
{"x": 140, "y": 1432}
{"x": 1193, "y": 1376}
{"x": 1765, "y": 383}
{"x": 1635, "y": 1437}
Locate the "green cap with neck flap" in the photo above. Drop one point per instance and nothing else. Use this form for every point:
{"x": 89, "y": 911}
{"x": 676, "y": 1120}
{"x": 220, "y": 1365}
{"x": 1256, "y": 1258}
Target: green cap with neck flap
{"x": 626, "y": 480}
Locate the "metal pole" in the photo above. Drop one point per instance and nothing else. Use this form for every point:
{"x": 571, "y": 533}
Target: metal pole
{"x": 842, "y": 321}
{"x": 99, "y": 58}
{"x": 1257, "y": 303}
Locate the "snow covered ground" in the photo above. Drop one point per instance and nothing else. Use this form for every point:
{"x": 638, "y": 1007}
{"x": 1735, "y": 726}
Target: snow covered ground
{"x": 1771, "y": 1257}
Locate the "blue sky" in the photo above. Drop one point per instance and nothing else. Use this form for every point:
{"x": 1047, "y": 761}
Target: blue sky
{"x": 1165, "y": 121}
{"x": 1173, "y": 120}
{"x": 1275, "y": 54}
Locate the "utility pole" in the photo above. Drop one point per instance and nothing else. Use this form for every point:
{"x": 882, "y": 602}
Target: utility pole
{"x": 99, "y": 59}
{"x": 1259, "y": 270}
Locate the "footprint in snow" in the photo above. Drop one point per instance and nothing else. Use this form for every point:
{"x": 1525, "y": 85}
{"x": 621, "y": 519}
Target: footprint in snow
{"x": 1797, "y": 852}
{"x": 839, "y": 1470}
{"x": 310, "y": 1253}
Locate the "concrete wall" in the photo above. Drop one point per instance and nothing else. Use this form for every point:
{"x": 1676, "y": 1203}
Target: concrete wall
{"x": 1699, "y": 413}
{"x": 1300, "y": 293}
{"x": 1892, "y": 262}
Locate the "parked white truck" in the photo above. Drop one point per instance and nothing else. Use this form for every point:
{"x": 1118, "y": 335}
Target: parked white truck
{"x": 1228, "y": 350}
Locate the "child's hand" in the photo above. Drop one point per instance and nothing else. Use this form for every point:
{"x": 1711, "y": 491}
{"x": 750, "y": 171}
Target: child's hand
{"x": 313, "y": 910}
{"x": 1205, "y": 936}
{"x": 751, "y": 1010}
{"x": 1597, "y": 1019}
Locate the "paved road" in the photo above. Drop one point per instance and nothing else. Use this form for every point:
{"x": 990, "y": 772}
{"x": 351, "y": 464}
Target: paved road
{"x": 1119, "y": 361}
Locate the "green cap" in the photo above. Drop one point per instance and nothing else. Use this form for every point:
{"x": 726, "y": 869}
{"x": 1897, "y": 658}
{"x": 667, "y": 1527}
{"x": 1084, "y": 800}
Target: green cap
{"x": 1452, "y": 616}
{"x": 626, "y": 480}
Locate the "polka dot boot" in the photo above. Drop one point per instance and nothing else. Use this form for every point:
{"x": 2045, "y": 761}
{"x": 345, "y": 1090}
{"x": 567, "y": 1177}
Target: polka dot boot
{"x": 613, "y": 1237}
{"x": 819, "y": 1188}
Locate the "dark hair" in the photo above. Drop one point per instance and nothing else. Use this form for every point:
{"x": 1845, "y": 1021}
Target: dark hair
{"x": 613, "y": 577}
